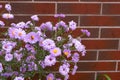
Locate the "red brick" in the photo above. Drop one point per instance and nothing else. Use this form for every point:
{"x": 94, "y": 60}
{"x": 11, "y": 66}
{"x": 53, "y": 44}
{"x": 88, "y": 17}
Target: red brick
{"x": 101, "y": 0}
{"x": 100, "y": 20}
{"x": 110, "y": 33}
{"x": 82, "y": 76}
{"x": 90, "y": 55}
{"x": 94, "y": 32}
{"x": 109, "y": 55}
{"x": 111, "y": 9}
{"x": 33, "y": 8}
{"x": 96, "y": 66}
{"x": 112, "y": 75}
{"x": 101, "y": 44}
{"x": 78, "y": 8}
{"x": 57, "y": 0}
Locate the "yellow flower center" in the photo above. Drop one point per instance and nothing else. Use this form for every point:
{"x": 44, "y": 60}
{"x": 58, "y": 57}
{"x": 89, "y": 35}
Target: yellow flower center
{"x": 13, "y": 33}
{"x": 66, "y": 53}
{"x": 49, "y": 78}
{"x": 20, "y": 34}
{"x": 32, "y": 37}
{"x": 55, "y": 51}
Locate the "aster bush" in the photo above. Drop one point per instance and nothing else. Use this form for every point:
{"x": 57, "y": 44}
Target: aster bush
{"x": 30, "y": 49}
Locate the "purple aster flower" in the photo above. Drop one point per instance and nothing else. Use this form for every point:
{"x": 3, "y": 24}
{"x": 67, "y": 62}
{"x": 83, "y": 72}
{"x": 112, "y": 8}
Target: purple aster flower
{"x": 46, "y": 26}
{"x": 49, "y": 60}
{"x": 23, "y": 69}
{"x": 32, "y": 66}
{"x": 8, "y": 7}
{"x": 55, "y": 51}
{"x": 1, "y": 67}
{"x": 7, "y": 16}
{"x": 85, "y": 31}
{"x": 19, "y": 78}
{"x": 50, "y": 76}
{"x": 18, "y": 56}
{"x": 64, "y": 69}
{"x": 31, "y": 37}
{"x": 6, "y": 74}
{"x": 28, "y": 24}
{"x": 67, "y": 52}
{"x": 72, "y": 25}
{"x": 74, "y": 69}
{"x": 8, "y": 46}
{"x": 1, "y": 6}
{"x": 13, "y": 24}
{"x": 75, "y": 57}
{"x": 62, "y": 24}
{"x": 58, "y": 79}
{"x": 12, "y": 32}
{"x": 2, "y": 24}
{"x": 48, "y": 44}
{"x": 42, "y": 63}
{"x": 59, "y": 38}
{"x": 20, "y": 25}
{"x": 8, "y": 57}
{"x": 20, "y": 34}
{"x": 35, "y": 18}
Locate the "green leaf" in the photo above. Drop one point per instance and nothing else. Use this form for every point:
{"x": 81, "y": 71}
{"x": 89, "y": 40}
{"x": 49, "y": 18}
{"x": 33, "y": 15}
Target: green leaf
{"x": 107, "y": 77}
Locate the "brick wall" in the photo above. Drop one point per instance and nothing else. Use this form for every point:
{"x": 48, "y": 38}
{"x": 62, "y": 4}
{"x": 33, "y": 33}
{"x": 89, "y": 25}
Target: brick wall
{"x": 100, "y": 17}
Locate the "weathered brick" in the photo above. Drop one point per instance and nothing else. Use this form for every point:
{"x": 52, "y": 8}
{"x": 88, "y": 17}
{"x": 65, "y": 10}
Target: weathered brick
{"x": 100, "y": 20}
{"x": 110, "y": 33}
{"x": 96, "y": 66}
{"x": 33, "y": 8}
{"x": 109, "y": 55}
{"x": 101, "y": 44}
{"x": 78, "y": 8}
{"x": 111, "y": 8}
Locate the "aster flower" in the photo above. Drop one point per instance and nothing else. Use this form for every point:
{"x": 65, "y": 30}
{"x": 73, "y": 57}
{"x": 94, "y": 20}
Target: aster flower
{"x": 2, "y": 24}
{"x": 49, "y": 60}
{"x": 74, "y": 69}
{"x": 64, "y": 69}
{"x": 28, "y": 24}
{"x": 13, "y": 25}
{"x": 1, "y": 67}
{"x": 85, "y": 31}
{"x": 46, "y": 26}
{"x": 75, "y": 57}
{"x": 8, "y": 57}
{"x": 50, "y": 76}
{"x": 8, "y": 46}
{"x": 31, "y": 37}
{"x": 20, "y": 33}
{"x": 18, "y": 56}
{"x": 55, "y": 51}
{"x": 20, "y": 25}
{"x": 35, "y": 18}
{"x": 19, "y": 78}
{"x": 7, "y": 16}
{"x": 48, "y": 44}
{"x": 67, "y": 52}
{"x": 12, "y": 32}
{"x": 8, "y": 7}
{"x": 59, "y": 38}
{"x": 62, "y": 24}
{"x": 72, "y": 25}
